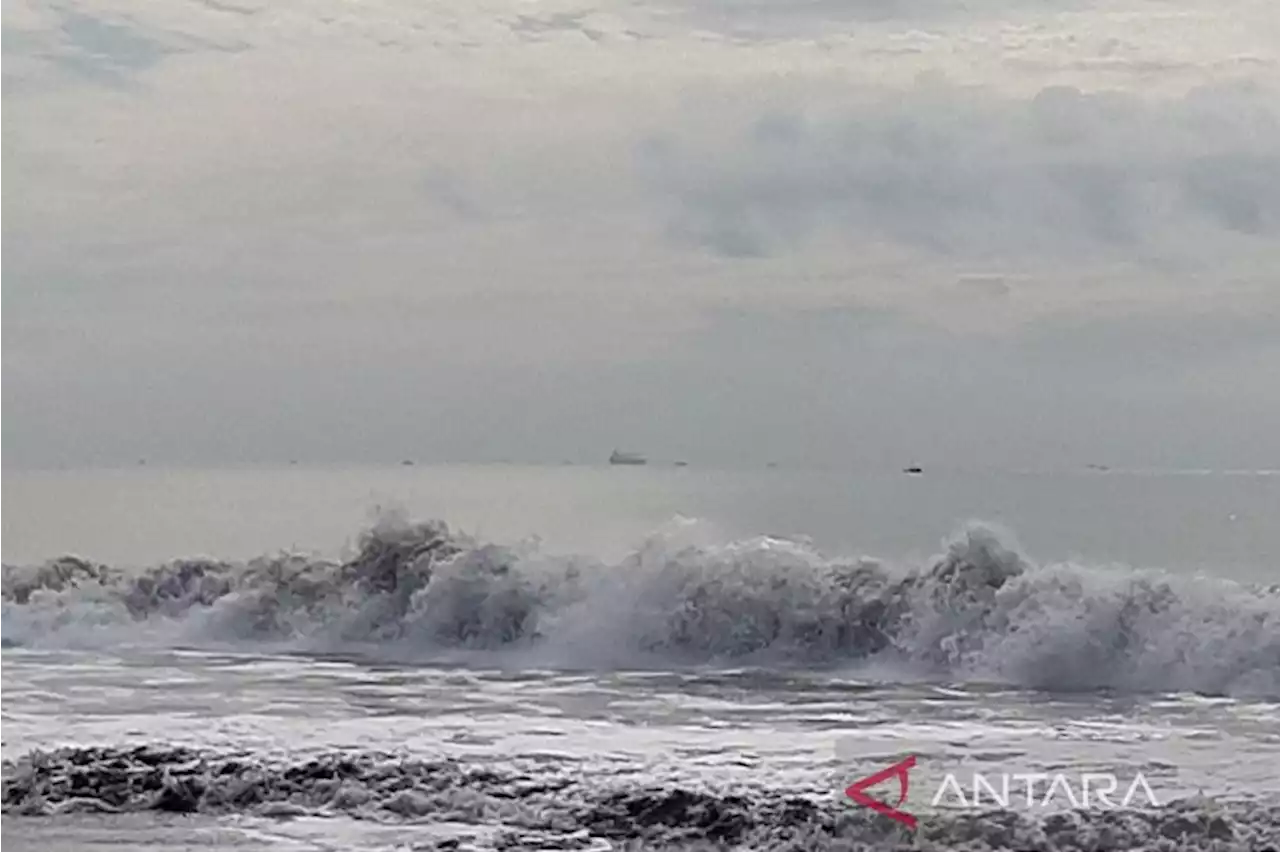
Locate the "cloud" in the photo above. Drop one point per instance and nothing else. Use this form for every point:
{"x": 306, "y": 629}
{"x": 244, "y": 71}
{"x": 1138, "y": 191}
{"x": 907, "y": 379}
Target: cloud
{"x": 55, "y": 44}
{"x": 792, "y": 18}
{"x": 966, "y": 172}
{"x": 102, "y": 46}
{"x": 463, "y": 228}
{"x": 247, "y": 11}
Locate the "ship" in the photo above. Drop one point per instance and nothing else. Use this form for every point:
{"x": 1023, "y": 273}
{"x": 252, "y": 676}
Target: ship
{"x": 619, "y": 457}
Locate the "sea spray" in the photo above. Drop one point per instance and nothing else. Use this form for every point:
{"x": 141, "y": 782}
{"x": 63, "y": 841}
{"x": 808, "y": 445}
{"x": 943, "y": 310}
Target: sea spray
{"x": 980, "y": 610}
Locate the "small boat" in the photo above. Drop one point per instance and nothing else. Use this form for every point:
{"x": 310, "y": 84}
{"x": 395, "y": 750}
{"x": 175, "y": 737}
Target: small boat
{"x": 914, "y": 470}
{"x": 619, "y": 457}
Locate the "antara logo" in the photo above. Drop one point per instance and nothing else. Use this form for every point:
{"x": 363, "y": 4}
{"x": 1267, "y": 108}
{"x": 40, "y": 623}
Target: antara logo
{"x": 899, "y": 770}
{"x": 1091, "y": 790}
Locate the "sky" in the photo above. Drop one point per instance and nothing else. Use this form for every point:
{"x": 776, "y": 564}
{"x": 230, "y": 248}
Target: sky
{"x": 859, "y": 232}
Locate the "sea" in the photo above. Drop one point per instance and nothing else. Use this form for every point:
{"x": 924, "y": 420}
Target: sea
{"x": 658, "y": 657}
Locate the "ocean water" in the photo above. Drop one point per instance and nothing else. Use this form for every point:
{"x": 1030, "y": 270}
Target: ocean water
{"x": 569, "y": 657}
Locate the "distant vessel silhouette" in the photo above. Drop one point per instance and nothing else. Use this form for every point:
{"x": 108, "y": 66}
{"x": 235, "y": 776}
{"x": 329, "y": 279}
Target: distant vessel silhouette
{"x": 914, "y": 470}
{"x": 619, "y": 457}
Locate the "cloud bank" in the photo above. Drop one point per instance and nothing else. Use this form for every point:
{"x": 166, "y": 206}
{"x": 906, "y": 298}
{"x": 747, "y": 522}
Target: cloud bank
{"x": 238, "y": 230}
{"x": 1193, "y": 181}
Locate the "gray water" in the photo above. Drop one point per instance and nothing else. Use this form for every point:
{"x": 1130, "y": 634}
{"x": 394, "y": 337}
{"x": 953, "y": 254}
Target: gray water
{"x": 678, "y": 659}
{"x": 1220, "y": 522}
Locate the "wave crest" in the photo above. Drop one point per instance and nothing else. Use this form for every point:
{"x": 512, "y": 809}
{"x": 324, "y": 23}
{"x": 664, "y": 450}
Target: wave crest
{"x": 980, "y": 610}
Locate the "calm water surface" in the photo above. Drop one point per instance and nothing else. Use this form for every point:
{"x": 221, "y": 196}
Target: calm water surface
{"x": 1215, "y": 522}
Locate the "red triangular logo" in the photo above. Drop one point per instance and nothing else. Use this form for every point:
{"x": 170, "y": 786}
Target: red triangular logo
{"x": 856, "y": 791}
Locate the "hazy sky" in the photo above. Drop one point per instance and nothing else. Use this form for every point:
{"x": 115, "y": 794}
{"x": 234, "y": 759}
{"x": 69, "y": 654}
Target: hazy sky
{"x": 997, "y": 232}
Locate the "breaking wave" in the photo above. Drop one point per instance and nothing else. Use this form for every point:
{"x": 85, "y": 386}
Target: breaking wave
{"x": 979, "y": 611}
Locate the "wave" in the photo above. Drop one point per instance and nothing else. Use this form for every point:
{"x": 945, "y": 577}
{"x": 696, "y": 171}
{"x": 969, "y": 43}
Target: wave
{"x": 979, "y": 611}
{"x": 551, "y": 807}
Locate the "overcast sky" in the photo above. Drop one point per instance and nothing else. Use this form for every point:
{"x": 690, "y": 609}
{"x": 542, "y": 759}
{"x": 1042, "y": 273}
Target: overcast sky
{"x": 995, "y": 232}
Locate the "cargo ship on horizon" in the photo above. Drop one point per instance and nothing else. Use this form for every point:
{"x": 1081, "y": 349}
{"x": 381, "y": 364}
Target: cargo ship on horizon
{"x": 619, "y": 457}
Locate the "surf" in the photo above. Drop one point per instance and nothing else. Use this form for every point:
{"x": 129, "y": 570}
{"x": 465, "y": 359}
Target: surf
{"x": 981, "y": 610}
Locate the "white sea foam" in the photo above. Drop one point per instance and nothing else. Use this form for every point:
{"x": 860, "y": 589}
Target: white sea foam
{"x": 980, "y": 610}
